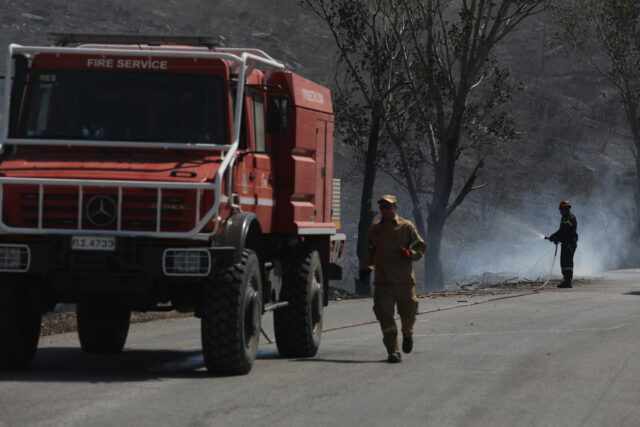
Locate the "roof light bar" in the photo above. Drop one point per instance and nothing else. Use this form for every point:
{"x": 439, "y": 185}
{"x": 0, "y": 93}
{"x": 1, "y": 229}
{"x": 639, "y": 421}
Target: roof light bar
{"x": 64, "y": 39}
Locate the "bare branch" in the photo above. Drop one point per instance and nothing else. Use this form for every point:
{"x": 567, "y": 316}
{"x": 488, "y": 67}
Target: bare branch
{"x": 466, "y": 189}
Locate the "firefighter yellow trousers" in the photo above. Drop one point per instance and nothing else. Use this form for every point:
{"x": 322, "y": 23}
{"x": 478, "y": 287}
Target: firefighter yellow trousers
{"x": 385, "y": 298}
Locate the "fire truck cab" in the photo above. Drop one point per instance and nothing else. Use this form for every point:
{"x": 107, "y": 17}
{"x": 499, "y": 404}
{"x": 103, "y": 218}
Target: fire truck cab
{"x": 165, "y": 172}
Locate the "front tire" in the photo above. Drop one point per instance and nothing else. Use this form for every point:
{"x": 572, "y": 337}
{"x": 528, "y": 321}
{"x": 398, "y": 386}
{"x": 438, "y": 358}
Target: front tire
{"x": 19, "y": 327}
{"x": 298, "y": 326}
{"x": 102, "y": 329}
{"x": 231, "y": 317}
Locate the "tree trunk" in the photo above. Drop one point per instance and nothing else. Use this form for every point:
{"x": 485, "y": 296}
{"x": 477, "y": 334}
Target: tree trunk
{"x": 443, "y": 185}
{"x": 363, "y": 287}
{"x": 434, "y": 276}
{"x": 413, "y": 192}
{"x": 632, "y": 258}
{"x": 418, "y": 217}
{"x": 634, "y": 125}
{"x": 636, "y": 140}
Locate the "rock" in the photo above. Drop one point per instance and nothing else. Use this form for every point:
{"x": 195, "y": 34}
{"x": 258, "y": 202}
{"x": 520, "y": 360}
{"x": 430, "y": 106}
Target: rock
{"x": 36, "y": 18}
{"x": 260, "y": 35}
{"x": 41, "y": 12}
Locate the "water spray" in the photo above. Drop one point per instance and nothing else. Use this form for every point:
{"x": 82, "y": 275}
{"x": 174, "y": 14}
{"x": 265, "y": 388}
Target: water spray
{"x": 535, "y": 236}
{"x": 530, "y": 230}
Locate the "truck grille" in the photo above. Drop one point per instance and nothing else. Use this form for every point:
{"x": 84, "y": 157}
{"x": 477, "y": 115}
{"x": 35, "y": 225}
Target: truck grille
{"x": 103, "y": 208}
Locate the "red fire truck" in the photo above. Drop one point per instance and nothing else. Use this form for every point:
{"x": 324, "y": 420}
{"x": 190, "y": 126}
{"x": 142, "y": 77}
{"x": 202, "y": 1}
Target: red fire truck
{"x": 165, "y": 172}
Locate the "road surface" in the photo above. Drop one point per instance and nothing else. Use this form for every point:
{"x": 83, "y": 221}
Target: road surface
{"x": 556, "y": 358}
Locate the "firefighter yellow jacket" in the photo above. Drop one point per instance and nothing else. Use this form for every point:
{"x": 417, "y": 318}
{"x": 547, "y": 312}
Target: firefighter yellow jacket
{"x": 386, "y": 239}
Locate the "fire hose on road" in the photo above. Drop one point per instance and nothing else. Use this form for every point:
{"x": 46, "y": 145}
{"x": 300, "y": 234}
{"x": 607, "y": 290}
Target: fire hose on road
{"x": 451, "y": 307}
{"x": 553, "y": 263}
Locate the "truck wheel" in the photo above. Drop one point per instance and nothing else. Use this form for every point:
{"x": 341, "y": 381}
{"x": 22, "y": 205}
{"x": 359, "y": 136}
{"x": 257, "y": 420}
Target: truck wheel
{"x": 298, "y": 326}
{"x": 231, "y": 315}
{"x": 19, "y": 327}
{"x": 102, "y": 329}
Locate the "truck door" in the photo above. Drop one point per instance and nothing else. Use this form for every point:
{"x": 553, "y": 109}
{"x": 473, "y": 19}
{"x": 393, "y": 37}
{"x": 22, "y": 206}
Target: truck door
{"x": 253, "y": 172}
{"x": 321, "y": 172}
{"x": 243, "y": 169}
{"x": 262, "y": 163}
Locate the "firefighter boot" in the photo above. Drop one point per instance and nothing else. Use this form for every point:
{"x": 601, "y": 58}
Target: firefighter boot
{"x": 407, "y": 344}
{"x": 568, "y": 275}
{"x": 566, "y": 283}
{"x": 394, "y": 358}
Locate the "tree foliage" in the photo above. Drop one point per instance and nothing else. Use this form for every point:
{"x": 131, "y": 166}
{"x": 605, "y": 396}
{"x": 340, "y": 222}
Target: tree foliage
{"x": 606, "y": 33}
{"x": 458, "y": 91}
{"x": 366, "y": 85}
{"x": 423, "y": 75}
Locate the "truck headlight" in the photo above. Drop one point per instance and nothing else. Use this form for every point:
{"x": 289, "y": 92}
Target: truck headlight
{"x": 15, "y": 258}
{"x": 187, "y": 262}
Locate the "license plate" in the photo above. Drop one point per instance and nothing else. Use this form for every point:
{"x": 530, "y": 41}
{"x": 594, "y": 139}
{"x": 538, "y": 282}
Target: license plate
{"x": 93, "y": 243}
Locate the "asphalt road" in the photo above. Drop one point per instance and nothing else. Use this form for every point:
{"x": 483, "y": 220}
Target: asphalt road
{"x": 557, "y": 358}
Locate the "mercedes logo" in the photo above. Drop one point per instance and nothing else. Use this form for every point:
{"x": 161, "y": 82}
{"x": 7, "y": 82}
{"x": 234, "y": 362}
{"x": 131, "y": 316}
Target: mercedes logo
{"x": 101, "y": 211}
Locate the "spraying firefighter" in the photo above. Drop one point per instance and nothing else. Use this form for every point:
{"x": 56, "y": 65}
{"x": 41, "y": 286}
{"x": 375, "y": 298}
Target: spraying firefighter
{"x": 567, "y": 236}
{"x": 394, "y": 243}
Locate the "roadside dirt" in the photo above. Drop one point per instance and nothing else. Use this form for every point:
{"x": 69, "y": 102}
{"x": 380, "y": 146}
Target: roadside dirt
{"x": 58, "y": 323}
{"x": 473, "y": 289}
{"x": 61, "y": 322}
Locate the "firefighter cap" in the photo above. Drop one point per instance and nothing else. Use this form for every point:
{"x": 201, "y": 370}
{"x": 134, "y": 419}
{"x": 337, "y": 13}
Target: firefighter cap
{"x": 564, "y": 203}
{"x": 389, "y": 199}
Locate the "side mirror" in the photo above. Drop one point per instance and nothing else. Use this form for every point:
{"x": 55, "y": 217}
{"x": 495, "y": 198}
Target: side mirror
{"x": 278, "y": 114}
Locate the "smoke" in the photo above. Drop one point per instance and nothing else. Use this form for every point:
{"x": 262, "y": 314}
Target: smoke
{"x": 511, "y": 246}
{"x": 514, "y": 252}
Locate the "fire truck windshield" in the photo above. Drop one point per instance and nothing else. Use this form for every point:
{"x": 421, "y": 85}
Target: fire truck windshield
{"x": 125, "y": 106}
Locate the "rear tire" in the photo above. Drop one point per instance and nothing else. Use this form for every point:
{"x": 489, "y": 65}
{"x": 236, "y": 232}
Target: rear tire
{"x": 102, "y": 329}
{"x": 231, "y": 317}
{"x": 298, "y": 326}
{"x": 19, "y": 327}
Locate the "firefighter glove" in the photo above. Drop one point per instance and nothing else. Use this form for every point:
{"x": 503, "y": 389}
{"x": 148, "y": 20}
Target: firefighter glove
{"x": 406, "y": 253}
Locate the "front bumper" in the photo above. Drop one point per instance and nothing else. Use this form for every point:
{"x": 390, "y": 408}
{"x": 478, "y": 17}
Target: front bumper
{"x": 151, "y": 258}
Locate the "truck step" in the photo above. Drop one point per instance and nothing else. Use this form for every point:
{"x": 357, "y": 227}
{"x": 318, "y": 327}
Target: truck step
{"x": 276, "y": 306}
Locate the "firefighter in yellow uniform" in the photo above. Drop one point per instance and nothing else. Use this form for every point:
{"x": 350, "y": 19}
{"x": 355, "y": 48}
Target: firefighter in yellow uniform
{"x": 394, "y": 243}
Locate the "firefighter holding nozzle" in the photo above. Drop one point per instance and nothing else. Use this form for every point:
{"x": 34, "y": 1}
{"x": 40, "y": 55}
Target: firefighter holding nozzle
{"x": 394, "y": 244}
{"x": 567, "y": 236}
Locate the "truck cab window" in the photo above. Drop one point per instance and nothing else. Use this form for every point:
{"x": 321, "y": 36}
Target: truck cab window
{"x": 125, "y": 106}
{"x": 242, "y": 143}
{"x": 278, "y": 110}
{"x": 258, "y": 123}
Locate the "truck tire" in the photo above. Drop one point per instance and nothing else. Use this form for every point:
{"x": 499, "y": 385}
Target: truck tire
{"x": 102, "y": 329}
{"x": 19, "y": 327}
{"x": 231, "y": 317}
{"x": 298, "y": 326}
